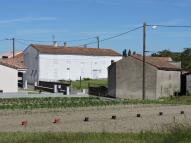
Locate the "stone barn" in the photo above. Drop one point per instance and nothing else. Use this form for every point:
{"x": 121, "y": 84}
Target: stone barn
{"x": 125, "y": 78}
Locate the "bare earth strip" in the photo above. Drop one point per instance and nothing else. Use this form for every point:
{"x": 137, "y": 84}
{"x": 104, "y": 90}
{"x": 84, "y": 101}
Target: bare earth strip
{"x": 72, "y": 119}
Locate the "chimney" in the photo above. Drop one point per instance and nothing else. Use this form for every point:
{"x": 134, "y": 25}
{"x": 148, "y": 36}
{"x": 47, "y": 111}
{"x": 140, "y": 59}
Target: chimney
{"x": 55, "y": 44}
{"x": 85, "y": 46}
{"x": 65, "y": 44}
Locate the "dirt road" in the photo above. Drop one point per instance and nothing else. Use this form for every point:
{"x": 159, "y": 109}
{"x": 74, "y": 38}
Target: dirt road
{"x": 72, "y": 120}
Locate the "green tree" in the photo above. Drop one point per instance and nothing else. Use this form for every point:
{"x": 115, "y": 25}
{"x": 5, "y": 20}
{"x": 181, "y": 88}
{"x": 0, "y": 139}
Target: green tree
{"x": 129, "y": 52}
{"x": 167, "y": 53}
{"x": 186, "y": 59}
{"x": 125, "y": 53}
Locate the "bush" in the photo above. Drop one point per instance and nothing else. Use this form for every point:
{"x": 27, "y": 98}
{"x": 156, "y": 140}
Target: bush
{"x": 86, "y": 79}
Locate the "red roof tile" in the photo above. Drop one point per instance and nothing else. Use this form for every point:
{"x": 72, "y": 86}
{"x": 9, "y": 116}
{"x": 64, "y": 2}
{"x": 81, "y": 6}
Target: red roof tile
{"x": 16, "y": 63}
{"x": 47, "y": 49}
{"x": 162, "y": 63}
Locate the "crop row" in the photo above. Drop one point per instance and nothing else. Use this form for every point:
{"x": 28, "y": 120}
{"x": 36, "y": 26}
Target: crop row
{"x": 50, "y": 102}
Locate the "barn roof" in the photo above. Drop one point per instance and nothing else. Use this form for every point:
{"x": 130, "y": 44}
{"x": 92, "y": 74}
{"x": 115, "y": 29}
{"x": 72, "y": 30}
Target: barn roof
{"x": 162, "y": 63}
{"x": 48, "y": 49}
{"x": 16, "y": 63}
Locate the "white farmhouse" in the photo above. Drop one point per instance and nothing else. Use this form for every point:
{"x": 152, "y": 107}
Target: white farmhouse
{"x": 53, "y": 63}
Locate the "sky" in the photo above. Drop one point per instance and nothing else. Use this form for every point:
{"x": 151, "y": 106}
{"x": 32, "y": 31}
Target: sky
{"x": 42, "y": 21}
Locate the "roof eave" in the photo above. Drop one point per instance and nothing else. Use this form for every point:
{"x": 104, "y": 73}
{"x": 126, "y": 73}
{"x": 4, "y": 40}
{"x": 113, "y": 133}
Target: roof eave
{"x": 168, "y": 69}
{"x": 46, "y": 53}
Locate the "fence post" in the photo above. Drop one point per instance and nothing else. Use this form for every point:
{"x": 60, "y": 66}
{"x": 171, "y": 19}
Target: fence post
{"x": 67, "y": 90}
{"x": 88, "y": 88}
{"x": 55, "y": 88}
{"x": 25, "y": 84}
{"x": 35, "y": 85}
{"x": 84, "y": 91}
{"x": 80, "y": 83}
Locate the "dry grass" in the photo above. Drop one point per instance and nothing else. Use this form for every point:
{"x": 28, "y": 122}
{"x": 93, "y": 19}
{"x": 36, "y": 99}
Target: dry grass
{"x": 176, "y": 134}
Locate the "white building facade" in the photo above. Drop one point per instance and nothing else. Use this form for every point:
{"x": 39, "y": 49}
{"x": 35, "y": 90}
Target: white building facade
{"x": 49, "y": 63}
{"x": 10, "y": 69}
{"x": 8, "y": 79}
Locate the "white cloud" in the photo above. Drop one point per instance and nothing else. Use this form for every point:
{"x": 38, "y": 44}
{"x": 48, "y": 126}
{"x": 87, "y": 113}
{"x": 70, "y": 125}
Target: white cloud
{"x": 26, "y": 19}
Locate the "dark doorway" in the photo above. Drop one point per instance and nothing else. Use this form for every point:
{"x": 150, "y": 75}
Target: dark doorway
{"x": 20, "y": 79}
{"x": 183, "y": 84}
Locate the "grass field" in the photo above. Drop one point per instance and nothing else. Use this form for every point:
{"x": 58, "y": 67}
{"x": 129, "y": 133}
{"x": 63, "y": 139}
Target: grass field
{"x": 84, "y": 83}
{"x": 61, "y": 102}
{"x": 176, "y": 134}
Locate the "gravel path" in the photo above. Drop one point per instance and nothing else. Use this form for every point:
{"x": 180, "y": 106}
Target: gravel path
{"x": 72, "y": 119}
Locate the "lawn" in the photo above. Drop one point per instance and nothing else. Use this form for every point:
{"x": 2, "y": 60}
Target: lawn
{"x": 84, "y": 83}
{"x": 176, "y": 134}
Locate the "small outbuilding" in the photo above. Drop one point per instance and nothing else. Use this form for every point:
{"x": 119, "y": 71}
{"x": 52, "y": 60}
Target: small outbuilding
{"x": 11, "y": 72}
{"x": 162, "y": 77}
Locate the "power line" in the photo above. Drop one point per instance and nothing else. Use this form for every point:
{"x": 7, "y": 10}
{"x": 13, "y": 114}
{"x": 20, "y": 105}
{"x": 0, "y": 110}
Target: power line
{"x": 121, "y": 34}
{"x": 2, "y": 40}
{"x": 43, "y": 41}
{"x": 112, "y": 37}
{"x": 31, "y": 40}
{"x": 175, "y": 26}
{"x": 22, "y": 43}
{"x": 101, "y": 40}
{"x": 80, "y": 39}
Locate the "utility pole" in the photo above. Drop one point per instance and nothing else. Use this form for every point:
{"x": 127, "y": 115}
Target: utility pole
{"x": 144, "y": 51}
{"x": 13, "y": 47}
{"x": 97, "y": 41}
{"x": 13, "y": 40}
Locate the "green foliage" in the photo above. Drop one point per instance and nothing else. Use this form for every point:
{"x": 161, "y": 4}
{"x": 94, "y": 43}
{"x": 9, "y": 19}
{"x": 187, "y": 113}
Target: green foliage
{"x": 85, "y": 83}
{"x": 53, "y": 102}
{"x": 186, "y": 59}
{"x": 167, "y": 53}
{"x": 65, "y": 102}
{"x": 129, "y": 52}
{"x": 125, "y": 53}
{"x": 174, "y": 134}
{"x": 87, "y": 79}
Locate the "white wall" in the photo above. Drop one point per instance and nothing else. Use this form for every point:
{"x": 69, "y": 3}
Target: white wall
{"x": 31, "y": 61}
{"x": 168, "y": 82}
{"x": 8, "y": 79}
{"x": 58, "y": 67}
